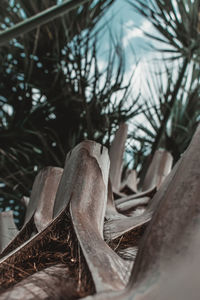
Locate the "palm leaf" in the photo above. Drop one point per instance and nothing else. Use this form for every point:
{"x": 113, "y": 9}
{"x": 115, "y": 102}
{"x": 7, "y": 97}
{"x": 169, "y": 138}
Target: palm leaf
{"x": 176, "y": 25}
{"x": 39, "y": 19}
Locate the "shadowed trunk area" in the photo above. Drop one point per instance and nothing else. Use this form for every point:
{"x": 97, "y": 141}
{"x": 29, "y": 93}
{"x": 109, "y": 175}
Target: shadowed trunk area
{"x": 83, "y": 239}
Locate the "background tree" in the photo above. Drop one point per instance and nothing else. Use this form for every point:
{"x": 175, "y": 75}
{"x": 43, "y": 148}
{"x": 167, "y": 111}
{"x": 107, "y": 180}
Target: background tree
{"x": 53, "y": 93}
{"x": 171, "y": 107}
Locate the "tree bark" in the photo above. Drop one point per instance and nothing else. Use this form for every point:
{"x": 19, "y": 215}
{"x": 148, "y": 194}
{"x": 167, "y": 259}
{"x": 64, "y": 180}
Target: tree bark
{"x": 51, "y": 283}
{"x": 8, "y": 229}
{"x": 116, "y": 156}
{"x": 167, "y": 264}
{"x": 158, "y": 170}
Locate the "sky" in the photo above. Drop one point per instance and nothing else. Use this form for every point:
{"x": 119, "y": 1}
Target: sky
{"x": 122, "y": 20}
{"x": 121, "y": 17}
{"x": 127, "y": 26}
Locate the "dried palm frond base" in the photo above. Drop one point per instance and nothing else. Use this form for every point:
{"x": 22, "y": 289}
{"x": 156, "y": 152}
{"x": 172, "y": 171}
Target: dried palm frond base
{"x": 23, "y": 235}
{"x": 58, "y": 245}
{"x": 128, "y": 240}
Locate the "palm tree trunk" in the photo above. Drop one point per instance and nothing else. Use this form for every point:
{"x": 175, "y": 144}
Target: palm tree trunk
{"x": 50, "y": 283}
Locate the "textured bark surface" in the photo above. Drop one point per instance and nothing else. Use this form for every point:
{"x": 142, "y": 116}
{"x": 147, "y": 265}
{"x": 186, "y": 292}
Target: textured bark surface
{"x": 111, "y": 211}
{"x": 44, "y": 285}
{"x": 176, "y": 217}
{"x": 22, "y": 252}
{"x": 158, "y": 170}
{"x": 43, "y": 193}
{"x": 129, "y": 185}
{"x": 115, "y": 228}
{"x": 8, "y": 229}
{"x": 87, "y": 207}
{"x": 40, "y": 206}
{"x": 46, "y": 197}
{"x": 131, "y": 204}
{"x": 116, "y": 156}
{"x": 147, "y": 193}
{"x": 171, "y": 242}
{"x": 90, "y": 244}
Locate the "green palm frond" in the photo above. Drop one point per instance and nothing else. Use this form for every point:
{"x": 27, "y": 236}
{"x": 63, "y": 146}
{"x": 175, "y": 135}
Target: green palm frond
{"x": 177, "y": 27}
{"x": 183, "y": 119}
{"x": 57, "y": 95}
{"x": 176, "y": 23}
{"x": 39, "y": 19}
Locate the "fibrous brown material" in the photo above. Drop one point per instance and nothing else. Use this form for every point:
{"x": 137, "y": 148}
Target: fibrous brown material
{"x": 89, "y": 165}
{"x": 40, "y": 206}
{"x": 84, "y": 186}
{"x": 94, "y": 241}
{"x": 56, "y": 244}
{"x": 170, "y": 245}
{"x": 44, "y": 285}
{"x": 115, "y": 228}
{"x": 169, "y": 234}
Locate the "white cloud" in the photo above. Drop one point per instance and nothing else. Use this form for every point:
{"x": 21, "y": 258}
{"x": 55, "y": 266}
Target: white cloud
{"x": 129, "y": 23}
{"x": 132, "y": 32}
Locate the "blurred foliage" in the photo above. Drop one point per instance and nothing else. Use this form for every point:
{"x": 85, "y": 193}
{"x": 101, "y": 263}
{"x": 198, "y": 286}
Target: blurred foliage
{"x": 171, "y": 106}
{"x": 54, "y": 93}
{"x": 183, "y": 120}
{"x": 177, "y": 24}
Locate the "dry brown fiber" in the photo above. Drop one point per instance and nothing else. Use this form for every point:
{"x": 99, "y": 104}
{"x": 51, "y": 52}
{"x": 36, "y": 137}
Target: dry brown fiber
{"x": 87, "y": 234}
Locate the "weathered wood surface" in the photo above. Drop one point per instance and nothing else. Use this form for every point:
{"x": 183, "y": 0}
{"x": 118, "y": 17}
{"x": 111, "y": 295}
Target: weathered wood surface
{"x": 129, "y": 185}
{"x": 46, "y": 193}
{"x": 50, "y": 283}
{"x": 115, "y": 228}
{"x": 25, "y": 201}
{"x": 21, "y": 252}
{"x": 128, "y": 253}
{"x": 111, "y": 211}
{"x": 8, "y": 229}
{"x": 43, "y": 196}
{"x": 171, "y": 242}
{"x": 171, "y": 228}
{"x": 148, "y": 193}
{"x": 118, "y": 227}
{"x": 40, "y": 207}
{"x": 116, "y": 156}
{"x": 158, "y": 170}
{"x": 89, "y": 167}
{"x": 132, "y": 204}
